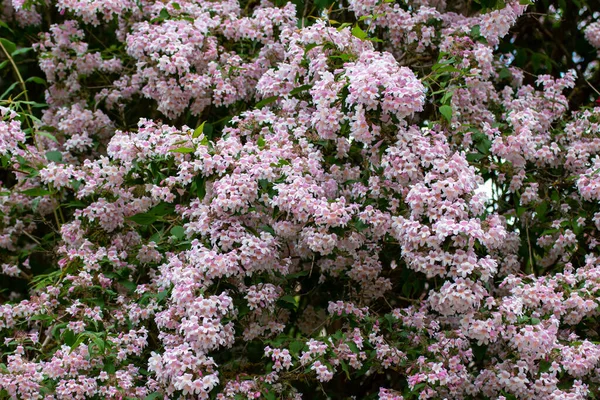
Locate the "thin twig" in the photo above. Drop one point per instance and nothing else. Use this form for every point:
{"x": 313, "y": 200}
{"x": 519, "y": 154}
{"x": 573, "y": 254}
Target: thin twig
{"x": 32, "y": 237}
{"x": 23, "y": 86}
{"x": 592, "y": 86}
{"x": 529, "y": 246}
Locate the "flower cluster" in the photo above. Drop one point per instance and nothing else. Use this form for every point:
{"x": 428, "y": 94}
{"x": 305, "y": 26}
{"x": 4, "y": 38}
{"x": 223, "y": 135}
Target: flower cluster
{"x": 238, "y": 199}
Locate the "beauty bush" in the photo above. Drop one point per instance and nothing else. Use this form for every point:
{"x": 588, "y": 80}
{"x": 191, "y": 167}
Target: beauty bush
{"x": 364, "y": 199}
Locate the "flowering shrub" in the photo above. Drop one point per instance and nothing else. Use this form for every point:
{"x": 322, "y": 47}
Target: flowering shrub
{"x": 249, "y": 199}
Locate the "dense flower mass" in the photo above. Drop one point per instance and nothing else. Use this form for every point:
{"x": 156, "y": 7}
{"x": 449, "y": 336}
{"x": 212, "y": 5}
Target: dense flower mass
{"x": 296, "y": 200}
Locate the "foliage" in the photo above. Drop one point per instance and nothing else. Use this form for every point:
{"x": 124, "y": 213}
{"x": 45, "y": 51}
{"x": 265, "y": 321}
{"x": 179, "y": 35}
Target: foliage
{"x": 330, "y": 199}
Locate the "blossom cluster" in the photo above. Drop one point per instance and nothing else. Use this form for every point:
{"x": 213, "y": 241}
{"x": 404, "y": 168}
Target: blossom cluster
{"x": 228, "y": 199}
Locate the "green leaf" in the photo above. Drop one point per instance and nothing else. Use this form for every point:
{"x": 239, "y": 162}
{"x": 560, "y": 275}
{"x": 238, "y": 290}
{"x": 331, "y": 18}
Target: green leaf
{"x": 109, "y": 367}
{"x": 321, "y": 4}
{"x": 297, "y": 275}
{"x": 359, "y": 225}
{"x": 36, "y": 79}
{"x": 34, "y": 104}
{"x": 484, "y": 146}
{"x": 446, "y": 111}
{"x": 8, "y": 45}
{"x": 504, "y": 73}
{"x": 130, "y": 286}
{"x": 200, "y": 186}
{"x": 99, "y": 343}
{"x": 157, "y": 236}
{"x": 183, "y": 150}
{"x": 407, "y": 289}
{"x": 541, "y": 210}
{"x": 267, "y": 228}
{"x": 447, "y": 96}
{"x": 545, "y": 366}
{"x": 199, "y": 130}
{"x": 22, "y": 50}
{"x": 309, "y": 47}
{"x": 54, "y": 155}
{"x": 479, "y": 352}
{"x": 36, "y": 192}
{"x": 418, "y": 387}
{"x": 10, "y": 89}
{"x": 176, "y": 6}
{"x": 359, "y": 33}
{"x": 353, "y": 347}
{"x": 264, "y": 184}
{"x": 300, "y": 89}
{"x": 164, "y": 14}
{"x": 5, "y": 25}
{"x": 296, "y": 347}
{"x": 48, "y": 135}
{"x": 281, "y": 163}
{"x": 208, "y": 130}
{"x": 266, "y": 101}
{"x": 178, "y": 232}
{"x": 345, "y": 368}
{"x": 288, "y": 300}
{"x": 508, "y": 396}
{"x": 153, "y": 396}
{"x": 391, "y": 320}
{"x": 243, "y": 310}
{"x": 251, "y": 230}
{"x": 474, "y": 157}
{"x": 261, "y": 142}
{"x": 270, "y": 395}
{"x": 41, "y": 317}
{"x": 143, "y": 219}
{"x": 73, "y": 204}
{"x": 3, "y": 64}
{"x": 162, "y": 209}
{"x": 68, "y": 337}
{"x": 162, "y": 295}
